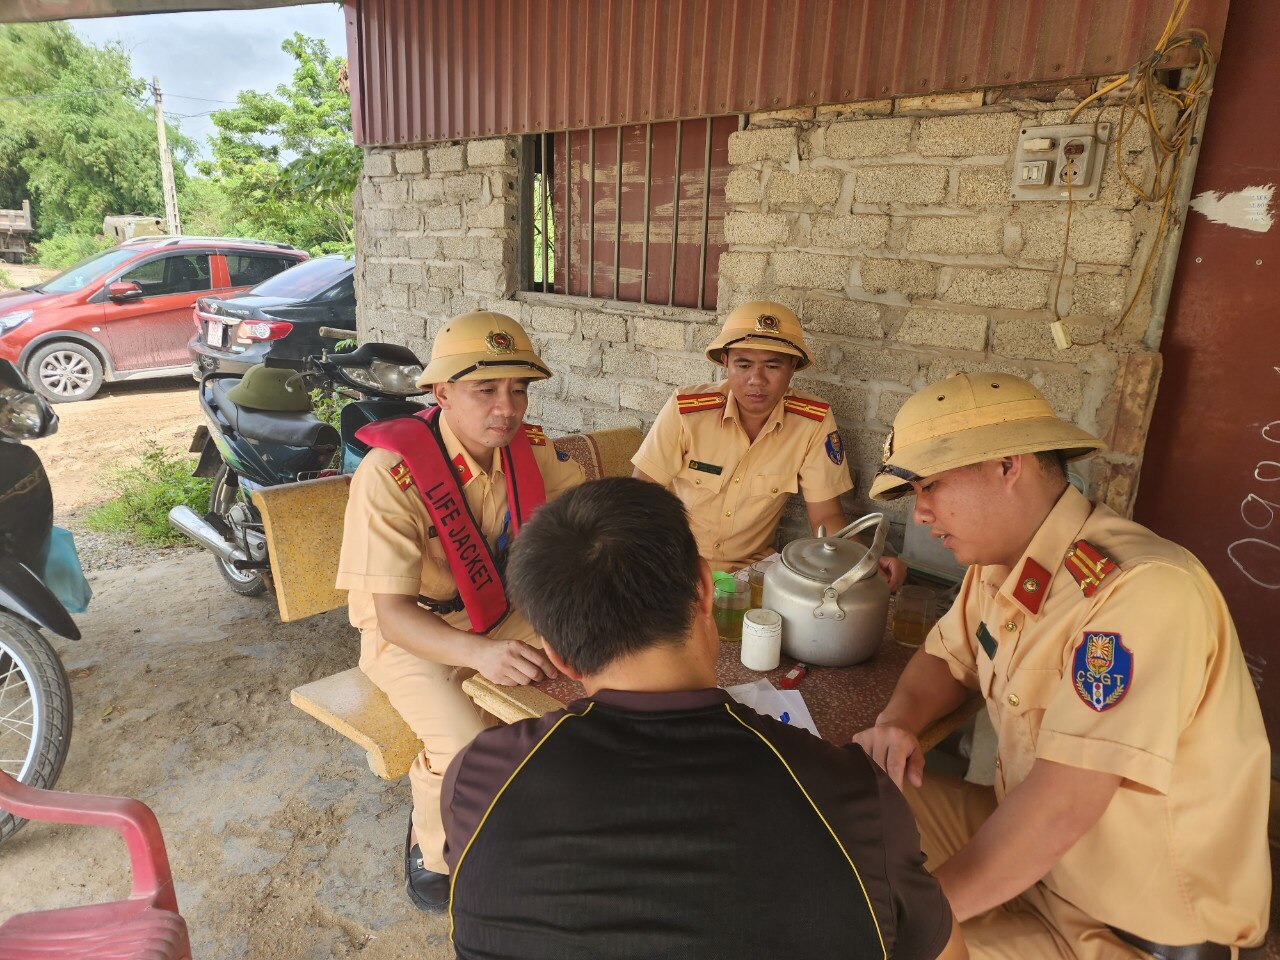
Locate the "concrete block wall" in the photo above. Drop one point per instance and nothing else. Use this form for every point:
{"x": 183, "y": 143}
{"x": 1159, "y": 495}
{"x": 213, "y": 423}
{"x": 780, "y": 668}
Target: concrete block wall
{"x": 905, "y": 258}
{"x": 436, "y": 235}
{"x": 886, "y": 225}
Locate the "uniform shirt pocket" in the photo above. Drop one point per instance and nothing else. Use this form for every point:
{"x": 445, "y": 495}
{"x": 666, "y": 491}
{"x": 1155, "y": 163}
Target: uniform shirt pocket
{"x": 772, "y": 485}
{"x": 1023, "y": 701}
{"x": 699, "y": 490}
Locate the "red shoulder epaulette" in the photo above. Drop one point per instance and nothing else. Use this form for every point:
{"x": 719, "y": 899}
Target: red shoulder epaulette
{"x": 400, "y": 474}
{"x": 1032, "y": 585}
{"x": 813, "y": 409}
{"x": 535, "y": 434}
{"x": 697, "y": 402}
{"x": 464, "y": 472}
{"x": 1088, "y": 565}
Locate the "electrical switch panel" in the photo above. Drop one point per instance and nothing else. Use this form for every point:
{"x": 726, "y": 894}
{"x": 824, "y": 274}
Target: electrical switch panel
{"x": 1048, "y": 158}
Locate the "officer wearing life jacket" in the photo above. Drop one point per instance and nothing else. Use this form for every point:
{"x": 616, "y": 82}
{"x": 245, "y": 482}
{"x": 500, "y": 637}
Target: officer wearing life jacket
{"x": 1129, "y": 814}
{"x": 433, "y": 508}
{"x": 734, "y": 451}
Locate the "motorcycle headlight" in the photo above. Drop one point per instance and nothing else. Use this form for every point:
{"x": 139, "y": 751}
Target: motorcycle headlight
{"x": 386, "y": 377}
{"x": 25, "y": 416}
{"x": 10, "y": 320}
{"x": 397, "y": 379}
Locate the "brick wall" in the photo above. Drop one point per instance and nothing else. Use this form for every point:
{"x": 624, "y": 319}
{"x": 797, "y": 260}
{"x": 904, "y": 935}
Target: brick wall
{"x": 886, "y": 225}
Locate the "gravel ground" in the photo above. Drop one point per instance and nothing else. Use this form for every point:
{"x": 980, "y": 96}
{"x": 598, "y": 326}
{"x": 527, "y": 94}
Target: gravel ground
{"x": 283, "y": 845}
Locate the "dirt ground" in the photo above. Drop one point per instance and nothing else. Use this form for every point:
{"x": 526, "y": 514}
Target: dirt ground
{"x": 25, "y": 274}
{"x": 282, "y": 843}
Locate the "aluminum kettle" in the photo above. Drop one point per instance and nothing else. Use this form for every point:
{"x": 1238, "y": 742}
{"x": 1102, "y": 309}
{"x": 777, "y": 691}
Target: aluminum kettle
{"x": 833, "y": 602}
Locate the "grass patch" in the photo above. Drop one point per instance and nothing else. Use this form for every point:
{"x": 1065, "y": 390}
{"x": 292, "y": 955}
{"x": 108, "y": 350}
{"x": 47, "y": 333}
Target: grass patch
{"x": 64, "y": 249}
{"x": 6, "y": 280}
{"x": 145, "y": 492}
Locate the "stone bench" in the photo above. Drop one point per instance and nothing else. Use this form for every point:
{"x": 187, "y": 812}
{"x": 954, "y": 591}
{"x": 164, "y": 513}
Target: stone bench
{"x": 303, "y": 527}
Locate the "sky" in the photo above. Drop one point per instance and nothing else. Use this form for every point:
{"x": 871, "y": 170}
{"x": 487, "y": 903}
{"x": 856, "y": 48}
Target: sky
{"x": 213, "y": 56}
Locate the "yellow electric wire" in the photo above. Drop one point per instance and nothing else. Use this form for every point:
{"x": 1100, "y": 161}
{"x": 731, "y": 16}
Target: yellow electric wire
{"x": 1168, "y": 152}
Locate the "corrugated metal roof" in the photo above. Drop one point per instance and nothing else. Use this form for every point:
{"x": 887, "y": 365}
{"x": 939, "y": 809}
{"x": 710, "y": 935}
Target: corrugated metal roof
{"x": 23, "y": 11}
{"x": 442, "y": 69}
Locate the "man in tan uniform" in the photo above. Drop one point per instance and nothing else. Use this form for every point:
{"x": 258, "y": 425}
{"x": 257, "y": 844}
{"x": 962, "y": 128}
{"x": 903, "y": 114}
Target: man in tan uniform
{"x": 1129, "y": 813}
{"x": 417, "y": 640}
{"x": 734, "y": 451}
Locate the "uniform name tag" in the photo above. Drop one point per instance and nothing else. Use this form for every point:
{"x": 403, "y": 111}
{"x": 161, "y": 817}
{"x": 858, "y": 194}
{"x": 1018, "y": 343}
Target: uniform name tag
{"x": 987, "y": 640}
{"x": 705, "y": 467}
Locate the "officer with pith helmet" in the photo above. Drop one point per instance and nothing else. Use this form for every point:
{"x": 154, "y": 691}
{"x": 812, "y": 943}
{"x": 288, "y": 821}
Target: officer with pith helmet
{"x": 735, "y": 450}
{"x": 433, "y": 508}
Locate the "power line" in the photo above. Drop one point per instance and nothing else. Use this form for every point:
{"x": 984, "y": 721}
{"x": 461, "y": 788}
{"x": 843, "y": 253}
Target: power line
{"x": 179, "y": 96}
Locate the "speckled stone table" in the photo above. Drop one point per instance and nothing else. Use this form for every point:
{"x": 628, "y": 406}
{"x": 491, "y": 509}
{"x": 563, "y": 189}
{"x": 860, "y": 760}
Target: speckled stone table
{"x": 842, "y": 700}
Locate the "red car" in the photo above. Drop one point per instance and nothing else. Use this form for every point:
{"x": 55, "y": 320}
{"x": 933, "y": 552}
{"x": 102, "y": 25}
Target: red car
{"x": 125, "y": 313}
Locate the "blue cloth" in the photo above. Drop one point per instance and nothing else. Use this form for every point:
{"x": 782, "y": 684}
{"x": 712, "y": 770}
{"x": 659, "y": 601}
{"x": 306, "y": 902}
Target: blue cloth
{"x": 61, "y": 572}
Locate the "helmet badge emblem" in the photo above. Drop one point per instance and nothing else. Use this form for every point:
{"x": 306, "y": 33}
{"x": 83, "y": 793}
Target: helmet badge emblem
{"x": 500, "y": 342}
{"x": 887, "y": 452}
{"x": 767, "y": 323}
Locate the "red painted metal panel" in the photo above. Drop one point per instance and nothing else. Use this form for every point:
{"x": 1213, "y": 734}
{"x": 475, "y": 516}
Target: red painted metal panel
{"x": 1211, "y": 473}
{"x": 594, "y": 227}
{"x": 441, "y": 69}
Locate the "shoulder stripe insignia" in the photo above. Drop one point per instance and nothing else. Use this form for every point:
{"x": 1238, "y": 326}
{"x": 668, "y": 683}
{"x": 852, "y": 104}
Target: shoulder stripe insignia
{"x": 535, "y": 434}
{"x": 1088, "y": 565}
{"x": 697, "y": 402}
{"x": 400, "y": 474}
{"x": 813, "y": 409}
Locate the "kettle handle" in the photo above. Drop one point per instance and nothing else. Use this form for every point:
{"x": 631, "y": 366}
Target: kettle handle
{"x": 867, "y": 563}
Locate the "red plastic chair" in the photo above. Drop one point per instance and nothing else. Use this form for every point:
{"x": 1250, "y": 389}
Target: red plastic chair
{"x": 144, "y": 927}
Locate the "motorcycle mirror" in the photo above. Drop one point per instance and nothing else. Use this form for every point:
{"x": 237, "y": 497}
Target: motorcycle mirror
{"x": 24, "y": 413}
{"x": 11, "y": 376}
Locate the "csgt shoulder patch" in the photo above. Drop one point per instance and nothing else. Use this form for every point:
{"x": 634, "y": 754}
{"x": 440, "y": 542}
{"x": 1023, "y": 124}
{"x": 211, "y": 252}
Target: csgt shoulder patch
{"x": 535, "y": 434}
{"x": 813, "y": 409}
{"x": 835, "y": 447}
{"x": 1101, "y": 669}
{"x": 697, "y": 402}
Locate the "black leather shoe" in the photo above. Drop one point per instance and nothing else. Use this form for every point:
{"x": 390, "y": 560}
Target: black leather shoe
{"x": 428, "y": 890}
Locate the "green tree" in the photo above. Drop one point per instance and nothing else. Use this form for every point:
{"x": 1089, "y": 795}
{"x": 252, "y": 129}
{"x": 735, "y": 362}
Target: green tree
{"x": 77, "y": 155}
{"x": 282, "y": 162}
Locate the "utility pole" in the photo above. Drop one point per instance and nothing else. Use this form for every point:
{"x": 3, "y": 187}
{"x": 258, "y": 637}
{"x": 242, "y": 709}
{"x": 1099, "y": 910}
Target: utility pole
{"x": 166, "y": 165}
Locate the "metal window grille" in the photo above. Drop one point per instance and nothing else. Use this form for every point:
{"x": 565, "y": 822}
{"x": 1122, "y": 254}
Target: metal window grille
{"x": 632, "y": 213}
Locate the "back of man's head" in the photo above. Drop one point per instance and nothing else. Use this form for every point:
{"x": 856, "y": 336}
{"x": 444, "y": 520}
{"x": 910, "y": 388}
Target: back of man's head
{"x": 605, "y": 571}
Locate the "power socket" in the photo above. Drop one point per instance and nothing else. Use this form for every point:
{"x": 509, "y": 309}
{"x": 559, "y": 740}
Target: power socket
{"x": 1060, "y": 152}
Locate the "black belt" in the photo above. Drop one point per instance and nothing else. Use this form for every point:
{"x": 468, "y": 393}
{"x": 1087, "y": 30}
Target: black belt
{"x": 1194, "y": 951}
{"x": 441, "y": 607}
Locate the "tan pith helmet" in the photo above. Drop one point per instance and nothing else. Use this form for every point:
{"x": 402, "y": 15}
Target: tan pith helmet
{"x": 969, "y": 418}
{"x": 482, "y": 346}
{"x": 761, "y": 325}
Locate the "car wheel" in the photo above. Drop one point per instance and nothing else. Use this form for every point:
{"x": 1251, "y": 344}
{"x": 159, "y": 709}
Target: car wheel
{"x": 65, "y": 372}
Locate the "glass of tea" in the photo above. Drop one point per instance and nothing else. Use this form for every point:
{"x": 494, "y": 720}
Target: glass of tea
{"x": 728, "y": 605}
{"x": 914, "y": 613}
{"x": 755, "y": 579}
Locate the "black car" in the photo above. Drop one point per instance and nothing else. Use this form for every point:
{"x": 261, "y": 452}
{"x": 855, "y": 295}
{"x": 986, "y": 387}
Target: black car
{"x": 280, "y": 317}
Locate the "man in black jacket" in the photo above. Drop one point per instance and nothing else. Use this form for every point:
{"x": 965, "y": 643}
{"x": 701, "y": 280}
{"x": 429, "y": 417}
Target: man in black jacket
{"x": 656, "y": 817}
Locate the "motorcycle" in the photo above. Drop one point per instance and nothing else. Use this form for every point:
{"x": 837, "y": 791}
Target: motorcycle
{"x": 242, "y": 449}
{"x": 40, "y": 578}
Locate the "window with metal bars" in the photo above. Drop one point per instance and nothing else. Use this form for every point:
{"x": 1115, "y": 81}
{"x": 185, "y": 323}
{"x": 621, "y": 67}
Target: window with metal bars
{"x": 608, "y": 203}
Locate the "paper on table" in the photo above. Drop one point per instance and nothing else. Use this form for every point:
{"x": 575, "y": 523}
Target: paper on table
{"x": 785, "y": 705}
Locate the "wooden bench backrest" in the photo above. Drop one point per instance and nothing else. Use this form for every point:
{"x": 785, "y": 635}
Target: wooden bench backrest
{"x": 303, "y": 522}
{"x": 303, "y": 526}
